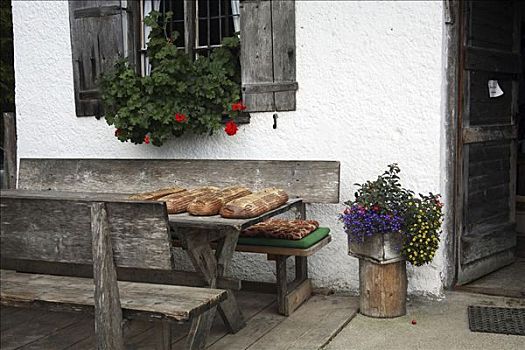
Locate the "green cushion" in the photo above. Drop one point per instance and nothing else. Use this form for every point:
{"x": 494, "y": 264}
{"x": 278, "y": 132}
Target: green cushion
{"x": 303, "y": 243}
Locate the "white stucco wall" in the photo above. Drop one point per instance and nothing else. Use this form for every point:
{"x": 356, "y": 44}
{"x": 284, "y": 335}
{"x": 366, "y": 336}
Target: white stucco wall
{"x": 370, "y": 76}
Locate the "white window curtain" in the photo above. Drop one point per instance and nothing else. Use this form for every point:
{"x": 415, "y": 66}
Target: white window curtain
{"x": 236, "y": 15}
{"x": 148, "y": 6}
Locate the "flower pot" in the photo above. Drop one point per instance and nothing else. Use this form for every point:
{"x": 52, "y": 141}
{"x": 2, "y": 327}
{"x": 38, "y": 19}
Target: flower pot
{"x": 380, "y": 248}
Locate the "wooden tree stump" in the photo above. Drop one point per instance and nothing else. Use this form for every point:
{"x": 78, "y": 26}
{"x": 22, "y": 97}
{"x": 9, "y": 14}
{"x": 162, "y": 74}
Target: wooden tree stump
{"x": 382, "y": 289}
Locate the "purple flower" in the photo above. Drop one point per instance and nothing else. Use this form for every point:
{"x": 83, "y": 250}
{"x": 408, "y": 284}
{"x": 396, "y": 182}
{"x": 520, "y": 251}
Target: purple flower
{"x": 361, "y": 222}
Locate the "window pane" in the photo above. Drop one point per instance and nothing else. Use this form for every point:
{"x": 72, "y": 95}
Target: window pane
{"x": 227, "y": 27}
{"x": 215, "y": 38}
{"x": 214, "y": 7}
{"x": 202, "y": 9}
{"x": 203, "y": 32}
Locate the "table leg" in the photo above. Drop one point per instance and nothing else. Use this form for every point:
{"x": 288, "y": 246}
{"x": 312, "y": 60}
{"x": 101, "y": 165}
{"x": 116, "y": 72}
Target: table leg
{"x": 204, "y": 261}
{"x": 213, "y": 266}
{"x": 228, "y": 309}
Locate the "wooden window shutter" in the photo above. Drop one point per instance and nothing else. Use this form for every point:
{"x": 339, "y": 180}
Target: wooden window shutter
{"x": 268, "y": 55}
{"x": 102, "y": 31}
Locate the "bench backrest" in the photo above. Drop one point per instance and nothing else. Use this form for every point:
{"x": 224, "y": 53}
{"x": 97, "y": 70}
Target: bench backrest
{"x": 314, "y": 181}
{"x": 59, "y": 230}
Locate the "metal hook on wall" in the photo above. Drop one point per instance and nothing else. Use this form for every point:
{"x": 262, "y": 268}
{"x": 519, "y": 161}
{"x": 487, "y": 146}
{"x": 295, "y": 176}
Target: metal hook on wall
{"x": 275, "y": 116}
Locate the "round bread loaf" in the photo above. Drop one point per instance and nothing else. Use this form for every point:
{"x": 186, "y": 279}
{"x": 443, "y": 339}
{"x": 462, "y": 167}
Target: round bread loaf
{"x": 178, "y": 202}
{"x": 254, "y": 204}
{"x": 211, "y": 204}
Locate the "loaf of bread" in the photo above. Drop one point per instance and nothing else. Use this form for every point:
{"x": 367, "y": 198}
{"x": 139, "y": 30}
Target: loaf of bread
{"x": 254, "y": 204}
{"x": 211, "y": 204}
{"x": 178, "y": 202}
{"x": 156, "y": 194}
{"x": 283, "y": 229}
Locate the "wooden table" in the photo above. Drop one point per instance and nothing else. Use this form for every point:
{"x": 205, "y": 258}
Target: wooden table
{"x": 196, "y": 235}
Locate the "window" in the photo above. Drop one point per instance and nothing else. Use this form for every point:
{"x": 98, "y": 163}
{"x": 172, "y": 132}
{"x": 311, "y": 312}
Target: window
{"x": 104, "y": 31}
{"x": 211, "y": 21}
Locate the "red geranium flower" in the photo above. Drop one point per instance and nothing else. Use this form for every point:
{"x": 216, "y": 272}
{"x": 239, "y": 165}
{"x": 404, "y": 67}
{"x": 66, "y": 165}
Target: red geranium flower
{"x": 118, "y": 132}
{"x": 238, "y": 106}
{"x": 181, "y": 118}
{"x": 231, "y": 128}
{"x": 146, "y": 139}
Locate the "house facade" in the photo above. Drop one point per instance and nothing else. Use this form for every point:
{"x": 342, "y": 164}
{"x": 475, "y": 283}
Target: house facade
{"x": 372, "y": 90}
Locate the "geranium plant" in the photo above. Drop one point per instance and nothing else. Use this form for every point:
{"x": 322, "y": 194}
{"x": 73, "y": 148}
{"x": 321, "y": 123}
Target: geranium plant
{"x": 383, "y": 206}
{"x": 180, "y": 95}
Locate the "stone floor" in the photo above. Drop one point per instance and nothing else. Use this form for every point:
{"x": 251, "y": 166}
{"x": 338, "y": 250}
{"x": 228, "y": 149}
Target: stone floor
{"x": 440, "y": 325}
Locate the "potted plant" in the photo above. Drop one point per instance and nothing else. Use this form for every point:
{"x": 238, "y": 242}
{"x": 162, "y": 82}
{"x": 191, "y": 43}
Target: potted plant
{"x": 386, "y": 225}
{"x": 181, "y": 95}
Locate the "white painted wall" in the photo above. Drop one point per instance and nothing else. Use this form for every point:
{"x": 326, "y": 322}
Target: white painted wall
{"x": 370, "y": 76}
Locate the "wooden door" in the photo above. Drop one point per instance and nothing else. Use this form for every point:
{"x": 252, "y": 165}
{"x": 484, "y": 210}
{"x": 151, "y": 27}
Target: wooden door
{"x": 490, "y": 33}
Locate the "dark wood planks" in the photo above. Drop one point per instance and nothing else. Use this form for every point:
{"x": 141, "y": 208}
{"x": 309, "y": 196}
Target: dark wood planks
{"x": 21, "y": 334}
{"x": 314, "y": 181}
{"x": 309, "y": 328}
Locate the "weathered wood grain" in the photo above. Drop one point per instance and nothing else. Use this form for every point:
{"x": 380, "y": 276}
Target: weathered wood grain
{"x": 60, "y": 231}
{"x": 487, "y": 134}
{"x": 382, "y": 289}
{"x": 311, "y": 326}
{"x": 283, "y": 39}
{"x": 256, "y": 53}
{"x": 138, "y": 300}
{"x": 282, "y": 284}
{"x": 251, "y": 303}
{"x": 177, "y": 277}
{"x": 258, "y": 325}
{"x": 486, "y": 239}
{"x": 314, "y": 181}
{"x": 268, "y": 57}
{"x": 91, "y": 51}
{"x": 108, "y": 312}
{"x": 10, "y": 163}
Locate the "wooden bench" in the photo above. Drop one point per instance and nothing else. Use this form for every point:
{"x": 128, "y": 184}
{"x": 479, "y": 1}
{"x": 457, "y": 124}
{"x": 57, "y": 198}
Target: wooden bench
{"x": 105, "y": 234}
{"x": 313, "y": 181}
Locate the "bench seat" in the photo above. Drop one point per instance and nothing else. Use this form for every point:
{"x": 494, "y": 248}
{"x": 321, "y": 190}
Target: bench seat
{"x": 138, "y": 300}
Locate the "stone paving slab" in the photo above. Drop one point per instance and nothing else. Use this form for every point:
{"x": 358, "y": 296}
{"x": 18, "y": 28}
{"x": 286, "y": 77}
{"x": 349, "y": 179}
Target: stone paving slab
{"x": 440, "y": 325}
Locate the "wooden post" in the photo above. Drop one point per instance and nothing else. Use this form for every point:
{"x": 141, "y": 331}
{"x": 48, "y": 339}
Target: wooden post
{"x": 9, "y": 180}
{"x": 108, "y": 312}
{"x": 382, "y": 289}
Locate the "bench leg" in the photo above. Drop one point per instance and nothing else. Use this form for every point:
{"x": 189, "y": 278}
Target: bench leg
{"x": 163, "y": 335}
{"x": 200, "y": 328}
{"x": 290, "y": 297}
{"x": 282, "y": 284}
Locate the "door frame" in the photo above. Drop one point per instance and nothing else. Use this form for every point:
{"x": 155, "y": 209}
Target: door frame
{"x": 452, "y": 32}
